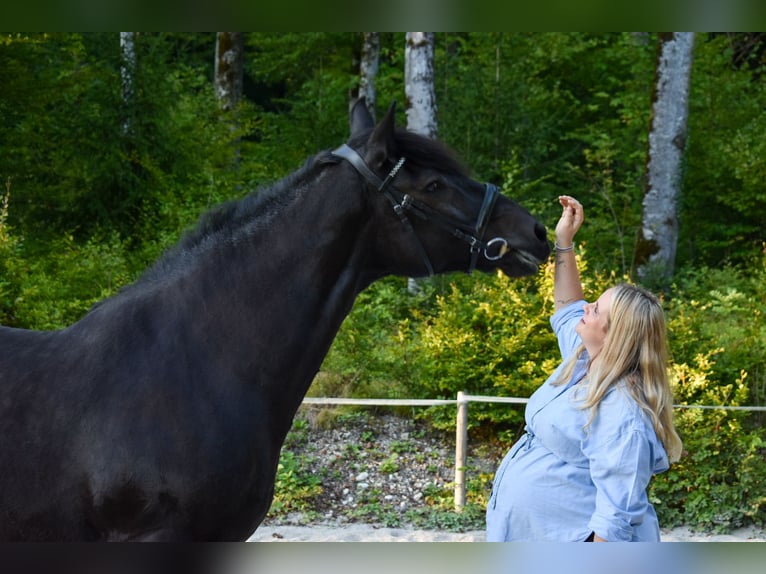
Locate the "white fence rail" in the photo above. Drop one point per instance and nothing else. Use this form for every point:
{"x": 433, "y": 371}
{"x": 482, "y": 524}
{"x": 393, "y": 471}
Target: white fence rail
{"x": 461, "y": 432}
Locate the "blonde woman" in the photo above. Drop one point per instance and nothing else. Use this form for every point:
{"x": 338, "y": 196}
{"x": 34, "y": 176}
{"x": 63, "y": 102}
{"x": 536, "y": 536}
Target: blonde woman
{"x": 600, "y": 427}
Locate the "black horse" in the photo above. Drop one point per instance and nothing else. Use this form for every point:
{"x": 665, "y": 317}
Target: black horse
{"x": 161, "y": 413}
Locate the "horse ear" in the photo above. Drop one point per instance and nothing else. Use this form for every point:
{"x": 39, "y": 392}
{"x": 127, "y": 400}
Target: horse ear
{"x": 381, "y": 143}
{"x": 360, "y": 117}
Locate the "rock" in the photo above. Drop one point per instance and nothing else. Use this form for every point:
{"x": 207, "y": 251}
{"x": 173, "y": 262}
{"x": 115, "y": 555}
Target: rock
{"x": 349, "y": 465}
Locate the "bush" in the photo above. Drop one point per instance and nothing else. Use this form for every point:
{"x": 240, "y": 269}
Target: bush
{"x": 717, "y": 484}
{"x": 294, "y": 489}
{"x": 369, "y": 357}
{"x": 53, "y": 290}
{"x": 717, "y": 334}
{"x": 722, "y": 310}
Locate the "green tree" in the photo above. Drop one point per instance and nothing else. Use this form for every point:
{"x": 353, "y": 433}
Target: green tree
{"x": 723, "y": 203}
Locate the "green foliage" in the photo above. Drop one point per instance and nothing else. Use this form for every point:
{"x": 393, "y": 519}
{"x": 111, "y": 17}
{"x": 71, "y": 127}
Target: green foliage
{"x": 488, "y": 338}
{"x": 562, "y": 113}
{"x": 300, "y": 83}
{"x": 166, "y": 142}
{"x": 472, "y": 517}
{"x": 717, "y": 334}
{"x": 718, "y": 483}
{"x": 370, "y": 356}
{"x": 720, "y": 313}
{"x": 52, "y": 293}
{"x": 723, "y": 203}
{"x": 295, "y": 489}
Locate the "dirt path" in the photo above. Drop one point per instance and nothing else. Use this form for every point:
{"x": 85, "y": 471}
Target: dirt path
{"x": 370, "y": 533}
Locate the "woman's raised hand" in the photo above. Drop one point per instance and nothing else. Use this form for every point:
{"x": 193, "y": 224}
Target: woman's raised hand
{"x": 570, "y": 221}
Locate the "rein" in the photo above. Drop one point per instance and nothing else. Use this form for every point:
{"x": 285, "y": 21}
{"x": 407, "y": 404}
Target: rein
{"x": 404, "y": 203}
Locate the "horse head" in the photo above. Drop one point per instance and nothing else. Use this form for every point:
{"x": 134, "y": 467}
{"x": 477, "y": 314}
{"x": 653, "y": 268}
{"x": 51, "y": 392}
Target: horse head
{"x": 439, "y": 219}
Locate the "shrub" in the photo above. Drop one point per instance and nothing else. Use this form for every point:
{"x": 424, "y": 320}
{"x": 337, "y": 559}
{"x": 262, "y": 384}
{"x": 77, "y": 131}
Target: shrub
{"x": 722, "y": 310}
{"x": 718, "y": 483}
{"x": 370, "y": 356}
{"x": 295, "y": 488}
{"x": 53, "y": 290}
{"x": 717, "y": 333}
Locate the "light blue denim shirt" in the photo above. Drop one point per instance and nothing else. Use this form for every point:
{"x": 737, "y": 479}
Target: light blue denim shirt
{"x": 561, "y": 481}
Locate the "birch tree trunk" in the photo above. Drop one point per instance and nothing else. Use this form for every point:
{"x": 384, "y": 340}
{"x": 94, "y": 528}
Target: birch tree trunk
{"x": 229, "y": 68}
{"x": 658, "y": 236}
{"x": 229, "y": 76}
{"x": 368, "y": 70}
{"x": 419, "y": 83}
{"x": 127, "y": 72}
{"x": 419, "y": 93}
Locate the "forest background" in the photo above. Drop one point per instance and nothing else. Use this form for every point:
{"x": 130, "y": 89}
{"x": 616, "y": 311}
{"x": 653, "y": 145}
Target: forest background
{"x": 100, "y": 176}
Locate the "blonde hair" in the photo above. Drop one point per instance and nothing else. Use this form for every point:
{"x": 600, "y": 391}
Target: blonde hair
{"x": 635, "y": 351}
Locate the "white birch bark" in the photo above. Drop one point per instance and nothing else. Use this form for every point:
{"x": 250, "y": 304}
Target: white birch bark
{"x": 658, "y": 239}
{"x": 419, "y": 83}
{"x": 229, "y": 68}
{"x": 419, "y": 92}
{"x": 368, "y": 70}
{"x": 127, "y": 71}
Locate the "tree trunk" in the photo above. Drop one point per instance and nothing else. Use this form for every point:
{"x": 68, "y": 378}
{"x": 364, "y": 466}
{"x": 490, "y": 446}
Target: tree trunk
{"x": 229, "y": 77}
{"x": 419, "y": 92}
{"x": 419, "y": 83}
{"x": 368, "y": 70}
{"x": 229, "y": 68}
{"x": 127, "y": 71}
{"x": 658, "y": 236}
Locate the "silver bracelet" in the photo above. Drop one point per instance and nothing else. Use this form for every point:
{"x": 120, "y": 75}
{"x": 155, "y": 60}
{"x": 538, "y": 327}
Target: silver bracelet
{"x": 563, "y": 249}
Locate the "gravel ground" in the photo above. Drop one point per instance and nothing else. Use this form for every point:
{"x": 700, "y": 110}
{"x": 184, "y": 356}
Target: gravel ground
{"x": 379, "y": 469}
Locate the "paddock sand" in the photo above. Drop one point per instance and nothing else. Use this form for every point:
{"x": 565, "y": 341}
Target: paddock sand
{"x": 371, "y": 533}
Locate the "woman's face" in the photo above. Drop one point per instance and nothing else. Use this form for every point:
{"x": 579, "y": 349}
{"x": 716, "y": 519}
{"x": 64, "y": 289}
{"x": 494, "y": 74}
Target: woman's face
{"x": 595, "y": 323}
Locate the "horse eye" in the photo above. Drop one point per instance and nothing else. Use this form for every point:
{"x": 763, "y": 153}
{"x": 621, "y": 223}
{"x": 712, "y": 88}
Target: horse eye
{"x": 432, "y": 187}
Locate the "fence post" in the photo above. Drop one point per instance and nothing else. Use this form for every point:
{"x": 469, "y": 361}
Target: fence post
{"x": 461, "y": 442}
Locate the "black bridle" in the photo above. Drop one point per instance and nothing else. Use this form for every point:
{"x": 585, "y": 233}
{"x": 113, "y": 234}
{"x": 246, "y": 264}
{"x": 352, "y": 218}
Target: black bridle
{"x": 404, "y": 203}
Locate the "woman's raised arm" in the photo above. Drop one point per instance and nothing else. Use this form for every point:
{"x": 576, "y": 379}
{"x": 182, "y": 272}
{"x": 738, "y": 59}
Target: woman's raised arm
{"x": 567, "y": 287}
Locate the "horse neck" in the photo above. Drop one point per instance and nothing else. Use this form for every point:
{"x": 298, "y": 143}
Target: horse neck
{"x": 273, "y": 300}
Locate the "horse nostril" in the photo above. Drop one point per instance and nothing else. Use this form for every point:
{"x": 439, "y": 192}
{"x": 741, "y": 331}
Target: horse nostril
{"x": 540, "y": 231}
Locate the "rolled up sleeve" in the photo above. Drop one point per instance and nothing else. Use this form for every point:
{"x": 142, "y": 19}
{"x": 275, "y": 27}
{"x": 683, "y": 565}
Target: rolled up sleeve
{"x": 621, "y": 469}
{"x": 563, "y": 324}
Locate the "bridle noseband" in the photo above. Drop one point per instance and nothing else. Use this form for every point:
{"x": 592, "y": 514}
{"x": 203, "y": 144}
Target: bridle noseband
{"x": 404, "y": 203}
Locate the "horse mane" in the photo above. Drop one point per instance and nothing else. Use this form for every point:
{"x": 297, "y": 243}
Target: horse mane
{"x": 223, "y": 222}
